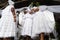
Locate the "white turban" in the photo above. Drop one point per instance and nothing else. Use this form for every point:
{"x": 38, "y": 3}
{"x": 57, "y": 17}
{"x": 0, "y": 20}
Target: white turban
{"x": 10, "y": 2}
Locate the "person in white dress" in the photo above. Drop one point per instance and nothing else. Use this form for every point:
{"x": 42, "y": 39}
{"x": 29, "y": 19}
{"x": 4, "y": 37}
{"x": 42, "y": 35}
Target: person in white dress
{"x": 43, "y": 22}
{"x": 26, "y": 28}
{"x": 49, "y": 22}
{"x": 36, "y": 22}
{"x": 20, "y": 25}
{"x": 7, "y": 23}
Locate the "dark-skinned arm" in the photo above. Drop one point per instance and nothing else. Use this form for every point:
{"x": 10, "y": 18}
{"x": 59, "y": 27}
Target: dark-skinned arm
{"x": 14, "y": 14}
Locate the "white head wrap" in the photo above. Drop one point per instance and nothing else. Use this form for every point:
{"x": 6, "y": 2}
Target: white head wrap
{"x": 10, "y": 2}
{"x": 28, "y": 8}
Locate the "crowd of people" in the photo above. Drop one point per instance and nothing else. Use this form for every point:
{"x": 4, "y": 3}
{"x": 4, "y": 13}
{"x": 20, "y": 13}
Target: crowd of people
{"x": 35, "y": 22}
{"x": 32, "y": 23}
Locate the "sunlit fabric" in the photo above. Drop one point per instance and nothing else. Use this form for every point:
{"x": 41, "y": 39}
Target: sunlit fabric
{"x": 26, "y": 29}
{"x": 7, "y": 24}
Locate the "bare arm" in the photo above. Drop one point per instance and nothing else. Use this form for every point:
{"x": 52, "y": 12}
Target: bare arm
{"x": 14, "y": 14}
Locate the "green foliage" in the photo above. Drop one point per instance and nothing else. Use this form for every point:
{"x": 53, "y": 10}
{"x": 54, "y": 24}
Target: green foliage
{"x": 35, "y": 4}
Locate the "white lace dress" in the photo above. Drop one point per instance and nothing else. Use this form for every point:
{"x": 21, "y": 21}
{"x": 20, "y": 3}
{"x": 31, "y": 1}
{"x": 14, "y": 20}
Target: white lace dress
{"x": 43, "y": 22}
{"x": 37, "y": 20}
{"x": 26, "y": 29}
{"x": 49, "y": 21}
{"x": 7, "y": 24}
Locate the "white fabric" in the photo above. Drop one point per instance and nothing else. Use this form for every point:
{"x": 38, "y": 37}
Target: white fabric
{"x": 55, "y": 8}
{"x": 36, "y": 17}
{"x": 26, "y": 29}
{"x": 43, "y": 22}
{"x": 10, "y": 2}
{"x": 7, "y": 24}
{"x": 49, "y": 21}
{"x": 21, "y": 17}
{"x": 43, "y": 7}
{"x": 20, "y": 22}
